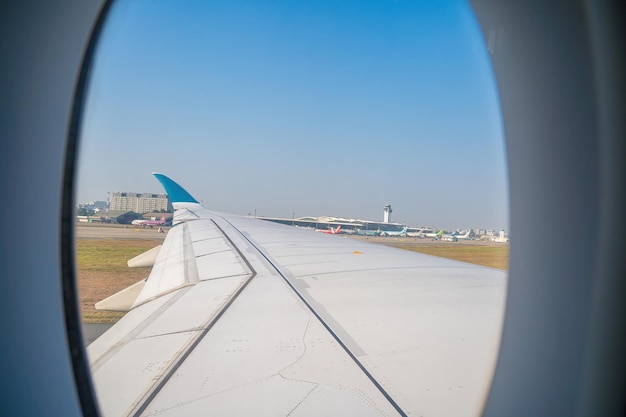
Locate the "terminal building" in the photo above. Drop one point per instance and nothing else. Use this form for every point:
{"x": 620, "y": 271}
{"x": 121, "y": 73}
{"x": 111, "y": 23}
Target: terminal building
{"x": 347, "y": 225}
{"x": 139, "y": 203}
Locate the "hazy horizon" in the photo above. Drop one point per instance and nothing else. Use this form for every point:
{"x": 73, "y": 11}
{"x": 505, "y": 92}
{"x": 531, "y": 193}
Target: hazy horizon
{"x": 317, "y": 109}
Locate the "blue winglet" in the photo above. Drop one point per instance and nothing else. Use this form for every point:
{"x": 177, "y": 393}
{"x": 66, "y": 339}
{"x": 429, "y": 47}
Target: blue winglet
{"x": 175, "y": 192}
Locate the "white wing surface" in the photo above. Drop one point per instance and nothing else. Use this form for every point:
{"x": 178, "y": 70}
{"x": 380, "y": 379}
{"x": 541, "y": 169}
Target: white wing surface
{"x": 241, "y": 316}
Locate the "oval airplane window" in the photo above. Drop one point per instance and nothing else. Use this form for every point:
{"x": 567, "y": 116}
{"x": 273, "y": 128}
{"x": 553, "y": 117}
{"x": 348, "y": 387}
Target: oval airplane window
{"x": 376, "y": 123}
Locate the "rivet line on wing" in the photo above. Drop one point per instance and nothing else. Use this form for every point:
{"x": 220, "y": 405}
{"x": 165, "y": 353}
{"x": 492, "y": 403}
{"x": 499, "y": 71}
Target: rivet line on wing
{"x": 158, "y": 386}
{"x": 321, "y": 320}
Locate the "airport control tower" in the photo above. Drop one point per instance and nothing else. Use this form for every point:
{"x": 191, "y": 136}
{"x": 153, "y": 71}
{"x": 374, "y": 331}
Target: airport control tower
{"x": 387, "y": 214}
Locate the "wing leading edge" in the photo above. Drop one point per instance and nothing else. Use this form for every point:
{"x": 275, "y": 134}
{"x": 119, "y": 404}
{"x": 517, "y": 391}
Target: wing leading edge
{"x": 242, "y": 316}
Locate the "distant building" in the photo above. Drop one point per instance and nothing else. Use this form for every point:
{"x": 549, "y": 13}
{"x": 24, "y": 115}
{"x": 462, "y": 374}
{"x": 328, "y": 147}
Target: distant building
{"x": 501, "y": 238}
{"x": 139, "y": 203}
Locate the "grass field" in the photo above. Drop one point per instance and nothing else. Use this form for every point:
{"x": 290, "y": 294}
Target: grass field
{"x": 102, "y": 269}
{"x": 487, "y": 255}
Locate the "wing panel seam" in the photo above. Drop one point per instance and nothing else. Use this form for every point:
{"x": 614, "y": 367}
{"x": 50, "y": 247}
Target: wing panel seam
{"x": 193, "y": 343}
{"x": 321, "y": 320}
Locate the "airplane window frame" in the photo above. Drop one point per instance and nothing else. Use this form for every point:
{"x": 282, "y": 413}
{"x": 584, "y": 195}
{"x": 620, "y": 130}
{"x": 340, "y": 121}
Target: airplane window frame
{"x": 79, "y": 359}
{"x": 73, "y": 320}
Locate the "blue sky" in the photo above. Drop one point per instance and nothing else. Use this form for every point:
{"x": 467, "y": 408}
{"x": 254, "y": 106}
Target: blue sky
{"x": 314, "y": 108}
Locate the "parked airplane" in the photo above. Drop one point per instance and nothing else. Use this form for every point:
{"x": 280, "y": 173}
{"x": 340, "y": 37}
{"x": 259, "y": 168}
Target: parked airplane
{"x": 331, "y": 231}
{"x": 453, "y": 237}
{"x": 419, "y": 232}
{"x": 150, "y": 223}
{"x": 469, "y": 234}
{"x": 433, "y": 235}
{"x": 397, "y": 233}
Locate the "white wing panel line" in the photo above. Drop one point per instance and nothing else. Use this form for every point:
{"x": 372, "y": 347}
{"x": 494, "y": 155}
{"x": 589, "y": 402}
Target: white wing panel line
{"x": 268, "y": 356}
{"x": 134, "y": 360}
{"x": 425, "y": 328}
{"x": 193, "y": 251}
{"x": 243, "y": 239}
{"x": 215, "y": 257}
{"x": 170, "y": 270}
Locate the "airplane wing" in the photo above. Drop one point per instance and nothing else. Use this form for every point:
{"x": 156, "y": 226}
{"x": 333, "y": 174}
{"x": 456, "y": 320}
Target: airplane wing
{"x": 241, "y": 316}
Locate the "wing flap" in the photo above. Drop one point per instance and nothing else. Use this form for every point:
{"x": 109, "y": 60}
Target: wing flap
{"x": 192, "y": 251}
{"x": 146, "y": 259}
{"x": 122, "y": 300}
{"x": 132, "y": 383}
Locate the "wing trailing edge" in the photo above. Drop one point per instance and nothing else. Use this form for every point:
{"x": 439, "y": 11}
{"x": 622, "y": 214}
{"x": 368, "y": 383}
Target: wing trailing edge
{"x": 122, "y": 300}
{"x": 146, "y": 259}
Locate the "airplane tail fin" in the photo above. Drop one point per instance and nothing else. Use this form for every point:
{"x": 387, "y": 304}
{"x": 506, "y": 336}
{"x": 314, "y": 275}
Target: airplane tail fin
{"x": 338, "y": 229}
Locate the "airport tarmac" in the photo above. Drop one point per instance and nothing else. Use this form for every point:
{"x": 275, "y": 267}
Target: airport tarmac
{"x": 91, "y": 231}
{"x": 92, "y": 331}
{"x": 399, "y": 241}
